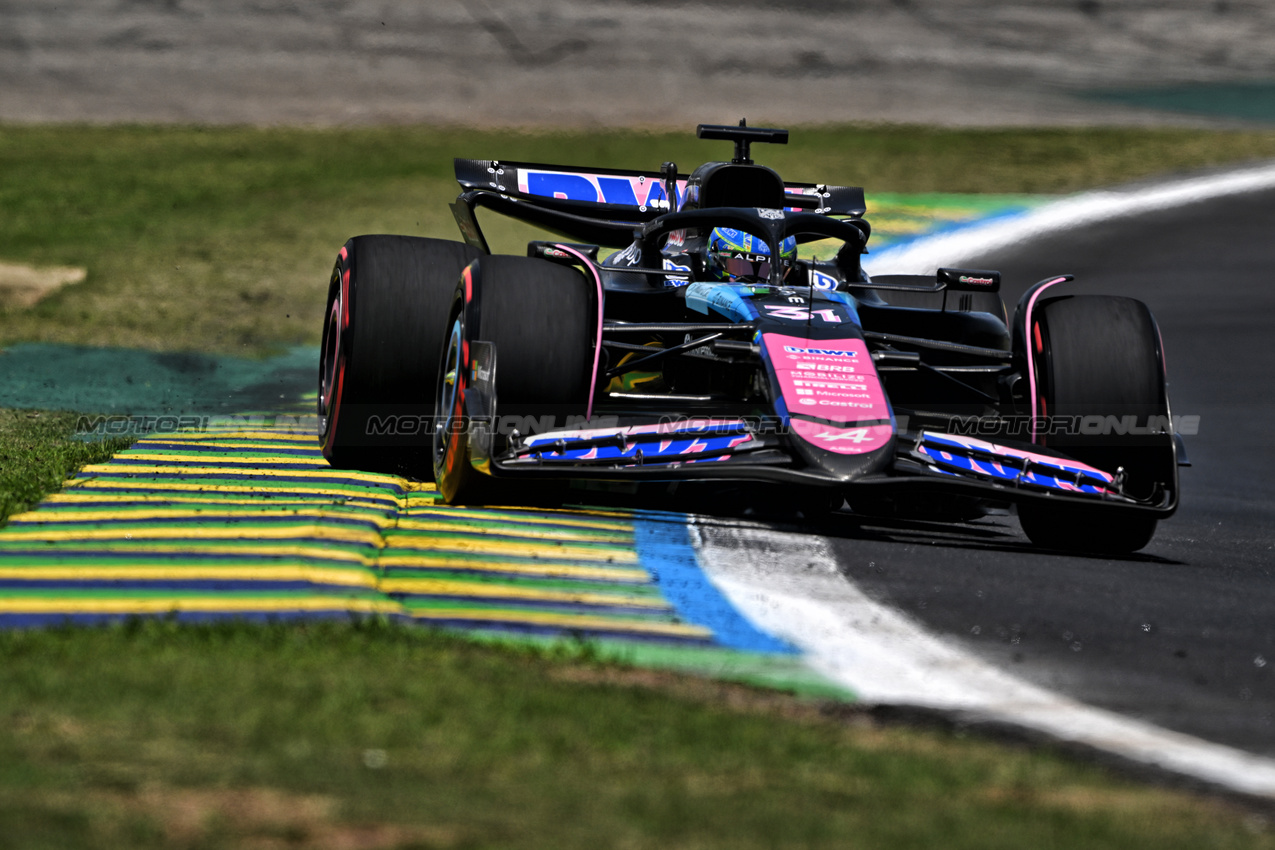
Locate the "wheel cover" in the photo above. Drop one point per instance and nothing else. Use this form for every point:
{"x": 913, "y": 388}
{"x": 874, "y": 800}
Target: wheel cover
{"x": 329, "y": 366}
{"x": 449, "y": 402}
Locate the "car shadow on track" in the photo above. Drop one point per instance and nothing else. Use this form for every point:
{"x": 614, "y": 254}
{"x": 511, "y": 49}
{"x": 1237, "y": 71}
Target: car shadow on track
{"x": 993, "y": 533}
{"x": 780, "y": 511}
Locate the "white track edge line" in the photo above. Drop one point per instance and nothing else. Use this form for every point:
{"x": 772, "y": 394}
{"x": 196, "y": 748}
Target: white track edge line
{"x": 953, "y": 247}
{"x": 887, "y": 658}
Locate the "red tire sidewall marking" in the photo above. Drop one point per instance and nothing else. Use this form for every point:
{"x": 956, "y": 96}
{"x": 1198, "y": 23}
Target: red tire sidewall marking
{"x": 342, "y": 326}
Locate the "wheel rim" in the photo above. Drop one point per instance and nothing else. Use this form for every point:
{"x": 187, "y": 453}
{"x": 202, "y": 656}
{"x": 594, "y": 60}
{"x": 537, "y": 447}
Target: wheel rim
{"x": 447, "y": 400}
{"x": 328, "y": 370}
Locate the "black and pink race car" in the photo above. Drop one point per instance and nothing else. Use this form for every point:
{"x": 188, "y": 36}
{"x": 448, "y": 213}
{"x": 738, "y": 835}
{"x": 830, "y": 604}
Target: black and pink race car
{"x": 731, "y": 337}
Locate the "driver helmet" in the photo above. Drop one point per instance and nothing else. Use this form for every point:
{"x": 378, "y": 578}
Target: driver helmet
{"x": 740, "y": 257}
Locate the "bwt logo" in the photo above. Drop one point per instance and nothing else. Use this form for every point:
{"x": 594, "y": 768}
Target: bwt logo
{"x": 630, "y": 191}
{"x": 831, "y": 352}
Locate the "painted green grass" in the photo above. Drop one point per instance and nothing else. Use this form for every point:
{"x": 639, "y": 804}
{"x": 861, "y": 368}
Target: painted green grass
{"x": 222, "y": 239}
{"x": 37, "y": 454}
{"x": 374, "y": 736}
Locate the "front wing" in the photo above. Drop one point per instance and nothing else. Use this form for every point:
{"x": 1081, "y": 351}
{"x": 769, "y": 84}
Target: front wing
{"x": 707, "y": 449}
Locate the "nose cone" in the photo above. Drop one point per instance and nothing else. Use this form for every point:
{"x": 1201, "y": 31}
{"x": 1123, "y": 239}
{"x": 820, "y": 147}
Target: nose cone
{"x": 839, "y": 416}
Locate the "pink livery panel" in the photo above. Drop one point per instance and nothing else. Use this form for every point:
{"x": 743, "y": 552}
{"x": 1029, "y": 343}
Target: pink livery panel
{"x": 835, "y": 382}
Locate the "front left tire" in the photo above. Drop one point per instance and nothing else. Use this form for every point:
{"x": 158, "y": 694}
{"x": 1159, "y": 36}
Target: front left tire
{"x": 542, "y": 319}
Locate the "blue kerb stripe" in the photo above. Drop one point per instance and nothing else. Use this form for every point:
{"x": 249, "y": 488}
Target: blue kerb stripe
{"x": 664, "y": 548}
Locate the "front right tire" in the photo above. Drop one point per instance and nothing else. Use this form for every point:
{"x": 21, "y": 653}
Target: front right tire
{"x": 1098, "y": 360}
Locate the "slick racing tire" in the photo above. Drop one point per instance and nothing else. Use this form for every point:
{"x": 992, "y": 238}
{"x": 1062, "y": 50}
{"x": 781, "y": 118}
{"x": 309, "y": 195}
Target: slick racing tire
{"x": 1097, "y": 362}
{"x": 542, "y": 319}
{"x": 387, "y": 303}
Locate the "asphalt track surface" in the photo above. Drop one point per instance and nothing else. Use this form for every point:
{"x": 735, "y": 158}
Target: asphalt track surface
{"x": 1182, "y": 634}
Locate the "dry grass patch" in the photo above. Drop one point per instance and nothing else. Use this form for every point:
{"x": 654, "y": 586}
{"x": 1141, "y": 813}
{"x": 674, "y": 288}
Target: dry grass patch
{"x": 267, "y": 818}
{"x": 23, "y": 286}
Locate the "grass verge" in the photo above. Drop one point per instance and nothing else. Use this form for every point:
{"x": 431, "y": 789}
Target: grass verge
{"x": 37, "y": 454}
{"x": 154, "y": 735}
{"x": 222, "y": 239}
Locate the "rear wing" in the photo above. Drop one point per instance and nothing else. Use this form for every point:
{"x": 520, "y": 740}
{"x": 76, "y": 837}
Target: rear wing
{"x": 600, "y": 205}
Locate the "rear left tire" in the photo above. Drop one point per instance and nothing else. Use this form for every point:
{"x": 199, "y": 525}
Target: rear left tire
{"x": 387, "y": 304}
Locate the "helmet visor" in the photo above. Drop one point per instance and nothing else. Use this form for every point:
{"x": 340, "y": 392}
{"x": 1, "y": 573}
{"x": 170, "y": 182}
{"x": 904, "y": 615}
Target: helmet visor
{"x": 743, "y": 266}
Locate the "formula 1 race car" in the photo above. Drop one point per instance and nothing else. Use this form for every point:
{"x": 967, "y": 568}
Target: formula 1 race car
{"x": 732, "y": 336}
